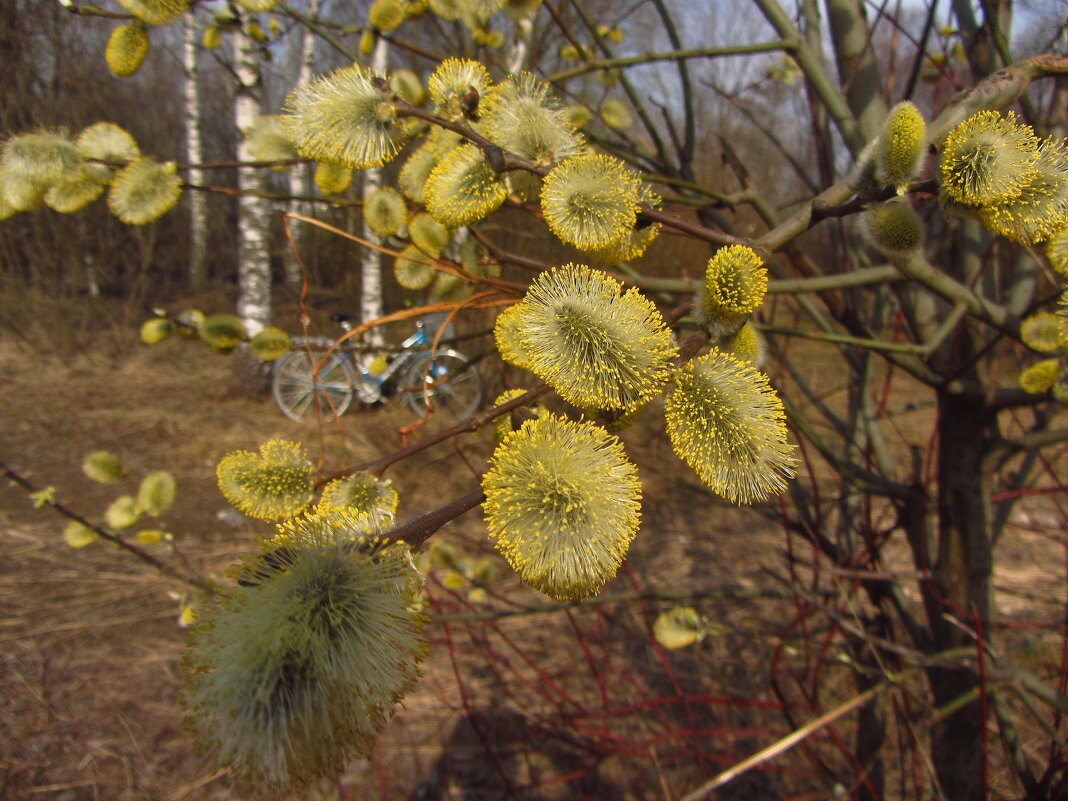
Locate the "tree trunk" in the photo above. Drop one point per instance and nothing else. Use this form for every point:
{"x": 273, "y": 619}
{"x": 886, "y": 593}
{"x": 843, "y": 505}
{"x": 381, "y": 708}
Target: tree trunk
{"x": 300, "y": 174}
{"x": 858, "y": 68}
{"x": 371, "y": 307}
{"x": 194, "y": 154}
{"x": 253, "y": 219}
{"x": 960, "y": 589}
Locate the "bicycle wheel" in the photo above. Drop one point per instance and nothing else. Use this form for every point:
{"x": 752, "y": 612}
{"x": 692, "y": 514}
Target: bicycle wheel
{"x": 295, "y": 389}
{"x": 443, "y": 382}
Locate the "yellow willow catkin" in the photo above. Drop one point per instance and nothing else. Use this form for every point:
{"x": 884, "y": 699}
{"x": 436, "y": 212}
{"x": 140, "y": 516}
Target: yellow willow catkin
{"x": 144, "y": 191}
{"x": 734, "y": 286}
{"x": 452, "y": 84}
{"x": 590, "y": 201}
{"x": 346, "y": 118}
{"x": 126, "y": 49}
{"x": 902, "y": 146}
{"x": 596, "y": 345}
{"x": 727, "y": 423}
{"x": 274, "y": 484}
{"x": 520, "y": 116}
{"x": 562, "y": 504}
{"x": 463, "y": 188}
{"x": 367, "y": 498}
{"x": 1040, "y": 210}
{"x": 988, "y": 159}
{"x": 222, "y": 331}
{"x": 292, "y": 673}
{"x": 270, "y": 343}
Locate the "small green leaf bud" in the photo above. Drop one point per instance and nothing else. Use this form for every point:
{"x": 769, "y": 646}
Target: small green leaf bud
{"x": 102, "y": 466}
{"x": 902, "y": 146}
{"x": 126, "y": 49}
{"x": 385, "y": 15}
{"x": 893, "y": 228}
{"x": 156, "y": 330}
{"x": 1040, "y": 376}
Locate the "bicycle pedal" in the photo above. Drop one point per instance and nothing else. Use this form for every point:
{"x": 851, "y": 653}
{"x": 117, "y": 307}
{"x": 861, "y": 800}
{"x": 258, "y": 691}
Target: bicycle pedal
{"x": 369, "y": 396}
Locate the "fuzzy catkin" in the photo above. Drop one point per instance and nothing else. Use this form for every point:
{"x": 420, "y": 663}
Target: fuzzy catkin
{"x": 590, "y": 201}
{"x": 988, "y": 159}
{"x": 274, "y": 484}
{"x": 344, "y": 118}
{"x": 727, "y": 423}
{"x": 597, "y": 345}
{"x": 463, "y": 188}
{"x": 294, "y": 671}
{"x": 562, "y": 505}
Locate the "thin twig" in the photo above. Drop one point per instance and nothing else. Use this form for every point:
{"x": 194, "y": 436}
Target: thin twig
{"x": 786, "y": 743}
{"x": 104, "y": 534}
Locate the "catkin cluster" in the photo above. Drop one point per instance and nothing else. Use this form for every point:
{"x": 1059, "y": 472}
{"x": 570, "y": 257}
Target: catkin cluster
{"x": 50, "y": 168}
{"x": 1017, "y": 183}
{"x": 295, "y": 670}
{"x": 352, "y": 118}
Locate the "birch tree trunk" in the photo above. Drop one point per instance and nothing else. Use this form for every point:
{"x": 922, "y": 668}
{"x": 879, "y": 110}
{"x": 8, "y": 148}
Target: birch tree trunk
{"x": 194, "y": 154}
{"x": 517, "y": 56}
{"x": 253, "y": 219}
{"x": 300, "y": 174}
{"x": 371, "y": 263}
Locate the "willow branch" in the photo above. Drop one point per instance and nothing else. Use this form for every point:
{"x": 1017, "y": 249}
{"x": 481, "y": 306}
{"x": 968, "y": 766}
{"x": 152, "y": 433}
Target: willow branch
{"x": 785, "y": 286}
{"x": 825, "y": 88}
{"x": 1036, "y": 439}
{"x": 919, "y": 269}
{"x": 92, "y": 11}
{"x": 845, "y": 339}
{"x": 671, "y": 55}
{"x": 726, "y": 594}
{"x": 995, "y": 91}
{"x": 473, "y": 423}
{"x": 139, "y": 553}
{"x": 416, "y": 532}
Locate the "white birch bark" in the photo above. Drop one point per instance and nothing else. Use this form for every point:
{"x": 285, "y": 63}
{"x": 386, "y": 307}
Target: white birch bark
{"x": 253, "y": 214}
{"x": 300, "y": 181}
{"x": 194, "y": 154}
{"x": 371, "y": 263}
{"x": 520, "y": 46}
{"x": 92, "y": 286}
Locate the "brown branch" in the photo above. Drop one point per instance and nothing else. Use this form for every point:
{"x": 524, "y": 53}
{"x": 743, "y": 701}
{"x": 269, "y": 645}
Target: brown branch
{"x": 416, "y": 532}
{"x": 473, "y": 423}
{"x": 93, "y": 11}
{"x": 114, "y": 539}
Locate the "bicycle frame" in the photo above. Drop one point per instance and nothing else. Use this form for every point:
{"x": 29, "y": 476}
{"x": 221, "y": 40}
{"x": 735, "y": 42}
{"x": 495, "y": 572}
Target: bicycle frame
{"x": 322, "y": 368}
{"x": 406, "y": 352}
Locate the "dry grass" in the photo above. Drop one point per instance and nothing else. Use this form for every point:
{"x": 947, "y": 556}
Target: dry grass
{"x": 520, "y": 699}
{"x": 90, "y": 641}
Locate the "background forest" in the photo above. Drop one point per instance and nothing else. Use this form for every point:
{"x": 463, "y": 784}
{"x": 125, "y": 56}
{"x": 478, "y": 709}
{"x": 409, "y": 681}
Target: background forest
{"x": 891, "y": 626}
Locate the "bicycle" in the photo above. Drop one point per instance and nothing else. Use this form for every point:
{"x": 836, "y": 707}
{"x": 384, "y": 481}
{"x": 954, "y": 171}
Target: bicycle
{"x": 430, "y": 379}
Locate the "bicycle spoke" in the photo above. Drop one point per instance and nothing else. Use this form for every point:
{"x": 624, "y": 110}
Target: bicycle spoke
{"x": 445, "y": 383}
{"x": 296, "y": 388}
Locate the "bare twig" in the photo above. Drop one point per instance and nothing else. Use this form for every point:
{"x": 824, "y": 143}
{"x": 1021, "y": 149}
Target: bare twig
{"x": 786, "y": 743}
{"x": 114, "y": 539}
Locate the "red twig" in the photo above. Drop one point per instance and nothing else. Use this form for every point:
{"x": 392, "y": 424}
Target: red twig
{"x": 471, "y": 719}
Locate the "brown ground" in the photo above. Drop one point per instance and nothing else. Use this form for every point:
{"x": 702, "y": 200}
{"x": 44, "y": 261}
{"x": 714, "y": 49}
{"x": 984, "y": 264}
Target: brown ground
{"x": 546, "y": 704}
